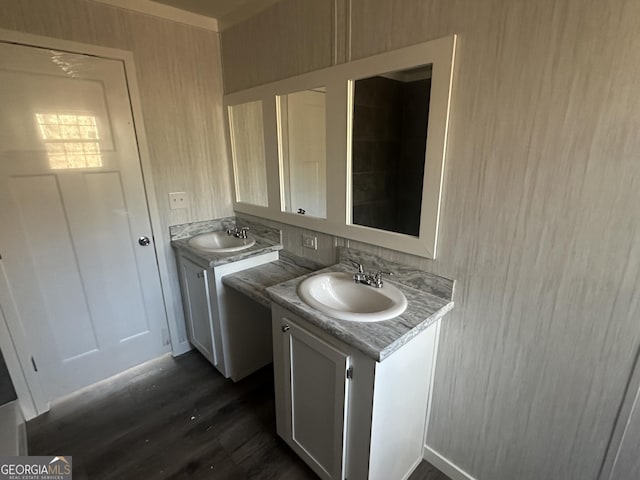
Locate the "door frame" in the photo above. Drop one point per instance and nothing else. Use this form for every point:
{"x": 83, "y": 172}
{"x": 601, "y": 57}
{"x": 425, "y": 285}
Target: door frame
{"x": 35, "y": 404}
{"x": 31, "y": 396}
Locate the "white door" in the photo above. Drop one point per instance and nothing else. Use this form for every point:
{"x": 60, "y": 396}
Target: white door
{"x": 72, "y": 208}
{"x": 316, "y": 396}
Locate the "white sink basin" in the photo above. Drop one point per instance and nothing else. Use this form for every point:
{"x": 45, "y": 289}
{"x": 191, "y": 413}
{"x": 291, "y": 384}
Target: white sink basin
{"x": 337, "y": 295}
{"x": 220, "y": 242}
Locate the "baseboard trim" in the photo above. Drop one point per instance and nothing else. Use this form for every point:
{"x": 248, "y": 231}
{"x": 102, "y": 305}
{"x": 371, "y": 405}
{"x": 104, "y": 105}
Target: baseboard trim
{"x": 23, "y": 441}
{"x": 445, "y": 465}
{"x": 181, "y": 349}
{"x": 412, "y": 469}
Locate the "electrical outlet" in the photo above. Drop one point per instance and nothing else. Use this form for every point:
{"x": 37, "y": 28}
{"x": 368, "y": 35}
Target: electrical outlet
{"x": 178, "y": 200}
{"x": 309, "y": 241}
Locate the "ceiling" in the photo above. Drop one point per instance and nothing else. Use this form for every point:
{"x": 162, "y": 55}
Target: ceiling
{"x": 214, "y": 15}
{"x": 227, "y": 12}
{"x": 210, "y": 8}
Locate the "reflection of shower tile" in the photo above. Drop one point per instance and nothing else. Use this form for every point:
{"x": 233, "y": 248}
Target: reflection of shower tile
{"x": 379, "y": 214}
{"x": 364, "y": 123}
{"x": 390, "y": 121}
{"x": 379, "y": 156}
{"x": 362, "y": 156}
{"x": 389, "y": 153}
{"x": 415, "y": 99}
{"x": 362, "y": 215}
{"x": 376, "y": 90}
{"x": 379, "y": 124}
{"x": 377, "y": 109}
{"x": 375, "y": 156}
{"x": 364, "y": 92}
{"x": 368, "y": 215}
{"x": 368, "y": 187}
{"x": 362, "y": 187}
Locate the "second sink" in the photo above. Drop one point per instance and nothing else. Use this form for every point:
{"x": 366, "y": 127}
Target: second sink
{"x": 220, "y": 242}
{"x": 337, "y": 295}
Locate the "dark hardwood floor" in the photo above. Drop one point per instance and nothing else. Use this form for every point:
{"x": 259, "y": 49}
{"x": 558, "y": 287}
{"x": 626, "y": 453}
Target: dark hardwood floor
{"x": 174, "y": 419}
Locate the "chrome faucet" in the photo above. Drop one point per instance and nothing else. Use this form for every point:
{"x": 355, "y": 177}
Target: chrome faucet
{"x": 238, "y": 232}
{"x": 373, "y": 279}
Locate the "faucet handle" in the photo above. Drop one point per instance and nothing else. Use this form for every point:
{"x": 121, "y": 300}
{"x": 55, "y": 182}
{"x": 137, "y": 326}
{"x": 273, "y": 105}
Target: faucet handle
{"x": 379, "y": 273}
{"x": 243, "y": 232}
{"x": 377, "y": 277}
{"x": 358, "y": 266}
{"x": 232, "y": 231}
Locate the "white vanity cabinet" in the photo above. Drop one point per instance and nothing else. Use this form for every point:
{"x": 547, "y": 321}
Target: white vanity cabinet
{"x": 232, "y": 333}
{"x": 313, "y": 398}
{"x": 345, "y": 414}
{"x": 197, "y": 308}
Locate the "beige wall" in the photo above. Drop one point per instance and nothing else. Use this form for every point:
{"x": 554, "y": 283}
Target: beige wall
{"x": 180, "y": 87}
{"x": 300, "y": 30}
{"x": 541, "y": 212}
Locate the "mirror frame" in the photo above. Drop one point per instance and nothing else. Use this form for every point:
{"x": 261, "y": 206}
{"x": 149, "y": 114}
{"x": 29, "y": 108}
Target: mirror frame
{"x": 339, "y": 82}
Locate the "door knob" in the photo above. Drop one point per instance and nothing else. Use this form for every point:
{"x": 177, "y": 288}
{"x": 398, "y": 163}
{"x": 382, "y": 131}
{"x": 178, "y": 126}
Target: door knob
{"x": 144, "y": 241}
{"x": 286, "y": 328}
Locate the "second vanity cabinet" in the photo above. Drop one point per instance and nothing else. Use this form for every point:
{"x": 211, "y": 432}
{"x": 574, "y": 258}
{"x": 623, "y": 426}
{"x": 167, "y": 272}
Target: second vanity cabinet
{"x": 345, "y": 414}
{"x": 197, "y": 308}
{"x": 232, "y": 333}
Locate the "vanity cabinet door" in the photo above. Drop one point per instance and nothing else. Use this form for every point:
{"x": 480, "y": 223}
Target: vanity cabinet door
{"x": 197, "y": 307}
{"x": 314, "y": 399}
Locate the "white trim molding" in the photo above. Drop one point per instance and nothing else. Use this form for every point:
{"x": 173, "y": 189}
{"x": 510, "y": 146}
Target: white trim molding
{"x": 167, "y": 12}
{"x": 26, "y": 384}
{"x": 446, "y": 466}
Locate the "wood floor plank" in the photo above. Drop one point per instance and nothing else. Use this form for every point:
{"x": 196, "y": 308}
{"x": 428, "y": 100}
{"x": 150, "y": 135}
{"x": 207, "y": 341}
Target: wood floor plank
{"x": 174, "y": 418}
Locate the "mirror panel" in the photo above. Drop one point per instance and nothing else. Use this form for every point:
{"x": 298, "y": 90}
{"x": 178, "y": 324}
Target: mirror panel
{"x": 302, "y": 149}
{"x": 248, "y": 153}
{"x": 388, "y": 148}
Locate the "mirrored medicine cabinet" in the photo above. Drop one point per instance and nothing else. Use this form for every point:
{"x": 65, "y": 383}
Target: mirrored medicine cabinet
{"x": 302, "y": 150}
{"x": 355, "y": 150}
{"x": 388, "y": 149}
{"x": 247, "y": 152}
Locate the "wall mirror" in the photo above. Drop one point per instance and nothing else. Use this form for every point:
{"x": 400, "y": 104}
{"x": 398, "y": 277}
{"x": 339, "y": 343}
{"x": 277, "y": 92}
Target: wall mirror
{"x": 388, "y": 145}
{"x": 248, "y": 152}
{"x": 358, "y": 148}
{"x": 302, "y": 151}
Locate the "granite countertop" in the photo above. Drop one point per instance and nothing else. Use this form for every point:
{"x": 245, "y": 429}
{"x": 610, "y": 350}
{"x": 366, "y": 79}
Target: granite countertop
{"x": 429, "y": 298}
{"x": 254, "y": 281}
{"x": 267, "y": 240}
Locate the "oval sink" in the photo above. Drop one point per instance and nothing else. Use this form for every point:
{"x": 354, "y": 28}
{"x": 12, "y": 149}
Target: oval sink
{"x": 337, "y": 295}
{"x": 220, "y": 242}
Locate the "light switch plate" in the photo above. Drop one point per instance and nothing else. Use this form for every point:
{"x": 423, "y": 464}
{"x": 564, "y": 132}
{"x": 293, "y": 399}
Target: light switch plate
{"x": 309, "y": 241}
{"x": 178, "y": 200}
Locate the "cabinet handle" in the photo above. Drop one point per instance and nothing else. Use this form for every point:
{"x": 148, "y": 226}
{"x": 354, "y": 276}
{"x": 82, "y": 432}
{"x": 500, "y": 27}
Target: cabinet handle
{"x": 286, "y": 328}
{"x": 200, "y": 274}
